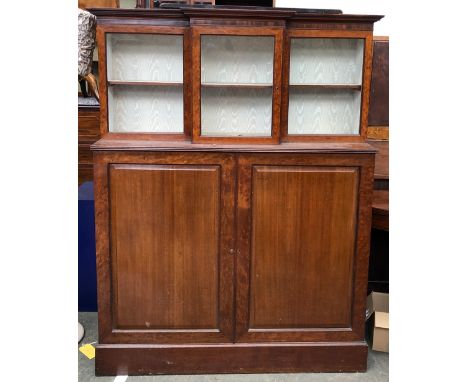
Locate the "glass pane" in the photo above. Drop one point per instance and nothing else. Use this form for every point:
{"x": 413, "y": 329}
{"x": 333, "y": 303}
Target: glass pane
{"x": 233, "y": 111}
{"x": 237, "y": 85}
{"x": 326, "y": 61}
{"x": 237, "y": 59}
{"x": 145, "y": 57}
{"x": 128, "y": 4}
{"x": 146, "y": 109}
{"x": 323, "y": 111}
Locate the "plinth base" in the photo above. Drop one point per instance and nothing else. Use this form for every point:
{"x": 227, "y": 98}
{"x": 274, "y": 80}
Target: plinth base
{"x": 123, "y": 359}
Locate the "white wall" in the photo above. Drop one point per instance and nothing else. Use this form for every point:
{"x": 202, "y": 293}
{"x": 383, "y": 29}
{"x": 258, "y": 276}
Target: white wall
{"x": 368, "y": 7}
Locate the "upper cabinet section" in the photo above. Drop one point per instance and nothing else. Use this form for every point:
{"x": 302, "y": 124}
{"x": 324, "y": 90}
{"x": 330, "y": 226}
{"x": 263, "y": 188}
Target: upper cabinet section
{"x": 234, "y": 75}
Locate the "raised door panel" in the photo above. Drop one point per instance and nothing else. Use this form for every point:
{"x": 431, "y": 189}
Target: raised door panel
{"x": 165, "y": 246}
{"x": 299, "y": 231}
{"x": 170, "y": 235}
{"x": 303, "y": 232}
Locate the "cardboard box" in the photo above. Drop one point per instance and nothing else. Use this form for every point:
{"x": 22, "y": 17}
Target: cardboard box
{"x": 377, "y": 306}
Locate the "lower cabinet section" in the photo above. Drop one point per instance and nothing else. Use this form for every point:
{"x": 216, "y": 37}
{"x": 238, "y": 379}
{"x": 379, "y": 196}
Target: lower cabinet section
{"x": 221, "y": 262}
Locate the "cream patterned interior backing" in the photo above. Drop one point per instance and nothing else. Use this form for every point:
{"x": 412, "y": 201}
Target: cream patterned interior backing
{"x": 86, "y": 41}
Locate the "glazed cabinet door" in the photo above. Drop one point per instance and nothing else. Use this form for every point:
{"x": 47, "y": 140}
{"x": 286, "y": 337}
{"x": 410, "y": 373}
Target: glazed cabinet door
{"x": 165, "y": 247}
{"x": 302, "y": 247}
{"x": 326, "y": 86}
{"x": 236, "y": 84}
{"x": 144, "y": 81}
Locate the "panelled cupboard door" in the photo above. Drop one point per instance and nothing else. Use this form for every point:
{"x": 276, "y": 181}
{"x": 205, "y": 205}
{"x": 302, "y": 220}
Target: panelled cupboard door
{"x": 297, "y": 248}
{"x": 171, "y": 235}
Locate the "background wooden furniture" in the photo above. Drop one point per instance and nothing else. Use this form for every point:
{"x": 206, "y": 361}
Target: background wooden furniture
{"x": 227, "y": 241}
{"x": 88, "y": 133}
{"x": 378, "y": 108}
{"x": 378, "y": 137}
{"x": 83, "y": 4}
{"x": 378, "y": 131}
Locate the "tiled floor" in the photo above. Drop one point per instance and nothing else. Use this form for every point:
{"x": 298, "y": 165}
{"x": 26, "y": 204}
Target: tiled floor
{"x": 377, "y": 368}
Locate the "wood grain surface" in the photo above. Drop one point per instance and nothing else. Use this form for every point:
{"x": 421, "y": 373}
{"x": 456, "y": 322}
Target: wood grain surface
{"x": 144, "y": 83}
{"x": 198, "y": 237}
{"x": 277, "y": 232}
{"x": 381, "y": 160}
{"x": 165, "y": 230}
{"x": 255, "y": 85}
{"x": 238, "y": 358}
{"x": 88, "y": 126}
{"x": 303, "y": 234}
{"x": 326, "y": 86}
{"x": 88, "y": 133}
{"x": 378, "y": 108}
{"x": 141, "y": 143}
{"x": 378, "y": 133}
{"x": 380, "y": 210}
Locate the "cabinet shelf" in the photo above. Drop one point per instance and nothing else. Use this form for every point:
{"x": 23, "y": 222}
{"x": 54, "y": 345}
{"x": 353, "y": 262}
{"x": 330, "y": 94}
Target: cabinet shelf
{"x": 144, "y": 83}
{"x": 327, "y": 86}
{"x": 236, "y": 85}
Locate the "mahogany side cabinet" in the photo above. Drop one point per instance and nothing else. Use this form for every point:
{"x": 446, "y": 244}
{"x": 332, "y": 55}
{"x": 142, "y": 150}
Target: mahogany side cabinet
{"x": 233, "y": 189}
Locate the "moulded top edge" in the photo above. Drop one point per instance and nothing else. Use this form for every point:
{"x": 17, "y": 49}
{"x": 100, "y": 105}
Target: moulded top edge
{"x": 136, "y": 12}
{"x": 247, "y": 12}
{"x": 111, "y": 144}
{"x": 337, "y": 17}
{"x": 238, "y": 12}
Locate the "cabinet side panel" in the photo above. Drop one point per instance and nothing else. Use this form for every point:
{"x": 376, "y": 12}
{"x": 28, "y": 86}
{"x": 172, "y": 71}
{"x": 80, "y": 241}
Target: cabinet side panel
{"x": 164, "y": 235}
{"x": 303, "y": 240}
